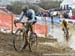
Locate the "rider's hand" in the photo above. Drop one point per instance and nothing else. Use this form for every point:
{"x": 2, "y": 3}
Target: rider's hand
{"x": 15, "y": 22}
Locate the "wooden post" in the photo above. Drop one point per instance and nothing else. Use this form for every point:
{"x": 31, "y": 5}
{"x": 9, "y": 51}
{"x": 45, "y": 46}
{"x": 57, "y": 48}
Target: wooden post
{"x": 45, "y": 27}
{"x": 12, "y": 23}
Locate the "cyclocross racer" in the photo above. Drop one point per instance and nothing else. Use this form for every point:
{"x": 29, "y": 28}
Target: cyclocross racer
{"x": 31, "y": 19}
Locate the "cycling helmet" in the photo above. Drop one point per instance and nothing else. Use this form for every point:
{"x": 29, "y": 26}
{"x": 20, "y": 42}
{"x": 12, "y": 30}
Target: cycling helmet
{"x": 25, "y": 8}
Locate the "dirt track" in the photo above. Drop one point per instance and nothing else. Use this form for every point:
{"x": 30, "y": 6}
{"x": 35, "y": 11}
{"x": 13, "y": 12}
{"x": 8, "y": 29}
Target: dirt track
{"x": 6, "y": 47}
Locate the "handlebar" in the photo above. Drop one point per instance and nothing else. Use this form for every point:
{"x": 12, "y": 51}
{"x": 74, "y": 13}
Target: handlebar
{"x": 19, "y": 22}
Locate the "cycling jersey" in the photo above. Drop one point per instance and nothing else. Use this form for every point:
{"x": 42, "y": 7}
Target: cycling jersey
{"x": 28, "y": 15}
{"x": 64, "y": 25}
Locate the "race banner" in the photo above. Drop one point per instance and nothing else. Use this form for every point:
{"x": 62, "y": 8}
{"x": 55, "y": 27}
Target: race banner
{"x": 6, "y": 21}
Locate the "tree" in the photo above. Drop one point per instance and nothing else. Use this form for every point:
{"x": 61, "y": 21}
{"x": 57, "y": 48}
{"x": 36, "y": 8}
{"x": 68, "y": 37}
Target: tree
{"x": 15, "y": 7}
{"x": 49, "y": 4}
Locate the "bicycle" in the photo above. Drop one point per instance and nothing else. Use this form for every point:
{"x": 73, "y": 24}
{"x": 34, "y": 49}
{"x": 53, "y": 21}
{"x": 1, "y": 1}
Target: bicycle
{"x": 20, "y": 38}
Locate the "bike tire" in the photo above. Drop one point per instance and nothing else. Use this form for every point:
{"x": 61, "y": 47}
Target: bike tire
{"x": 19, "y": 40}
{"x": 33, "y": 41}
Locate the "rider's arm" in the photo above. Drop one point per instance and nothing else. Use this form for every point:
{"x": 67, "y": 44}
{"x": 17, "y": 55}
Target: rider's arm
{"x": 19, "y": 20}
{"x": 21, "y": 16}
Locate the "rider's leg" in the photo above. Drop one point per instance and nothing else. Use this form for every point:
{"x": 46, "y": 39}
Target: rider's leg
{"x": 31, "y": 30}
{"x": 67, "y": 36}
{"x": 25, "y": 34}
{"x": 26, "y": 37}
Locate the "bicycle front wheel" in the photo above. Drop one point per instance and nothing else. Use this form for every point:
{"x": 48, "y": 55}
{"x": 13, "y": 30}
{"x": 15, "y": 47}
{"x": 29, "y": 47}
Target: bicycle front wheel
{"x": 19, "y": 40}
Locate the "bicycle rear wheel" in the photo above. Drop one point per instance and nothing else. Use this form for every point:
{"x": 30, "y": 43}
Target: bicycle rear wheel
{"x": 33, "y": 41}
{"x": 19, "y": 40}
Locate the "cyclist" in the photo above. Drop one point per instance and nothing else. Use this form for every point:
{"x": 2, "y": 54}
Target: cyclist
{"x": 65, "y": 28}
{"x": 31, "y": 19}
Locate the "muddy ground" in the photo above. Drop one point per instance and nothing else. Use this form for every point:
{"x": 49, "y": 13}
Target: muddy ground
{"x": 6, "y": 48}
